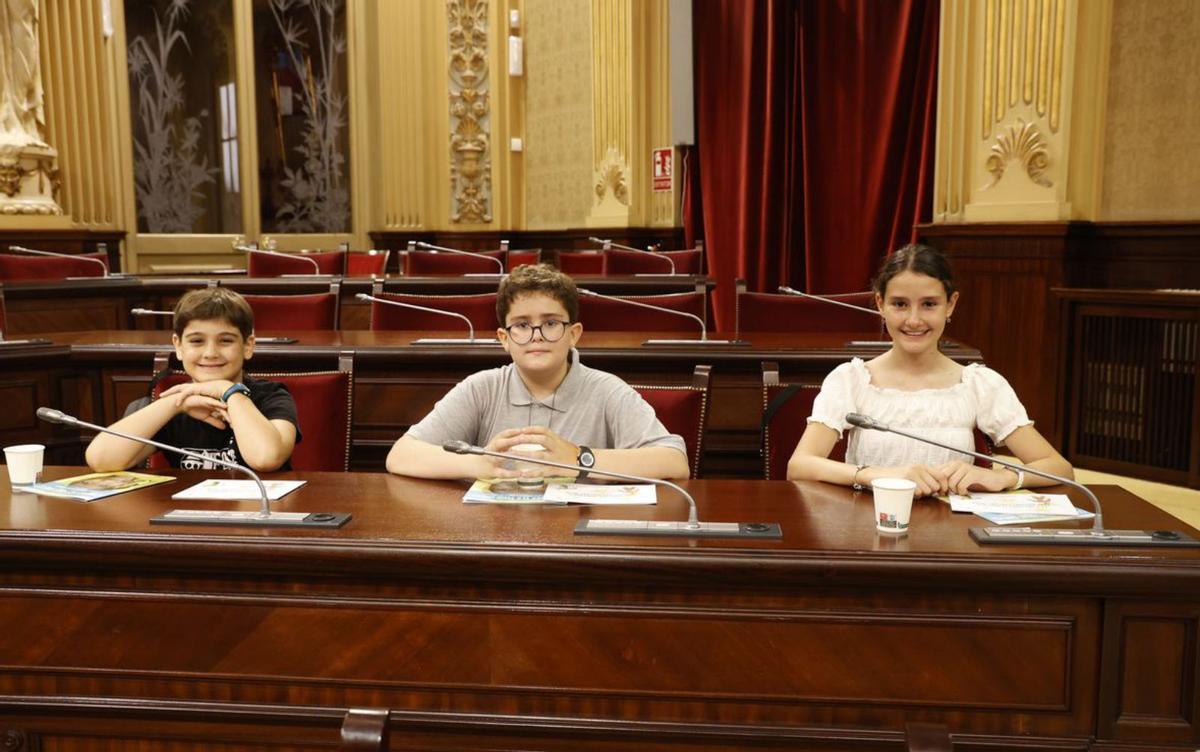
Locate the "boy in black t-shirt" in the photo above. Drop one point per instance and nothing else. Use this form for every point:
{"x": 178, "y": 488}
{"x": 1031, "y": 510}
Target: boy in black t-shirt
{"x": 219, "y": 413}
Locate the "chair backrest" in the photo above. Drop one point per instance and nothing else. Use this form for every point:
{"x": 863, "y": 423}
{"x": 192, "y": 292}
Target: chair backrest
{"x": 769, "y": 312}
{"x": 581, "y": 262}
{"x": 786, "y": 409}
{"x": 479, "y": 308}
{"x": 522, "y": 257}
{"x": 17, "y": 268}
{"x": 296, "y": 312}
{"x": 433, "y": 263}
{"x": 324, "y": 409}
{"x": 618, "y": 261}
{"x": 270, "y": 265}
{"x": 683, "y": 410}
{"x": 603, "y": 315}
{"x": 367, "y": 263}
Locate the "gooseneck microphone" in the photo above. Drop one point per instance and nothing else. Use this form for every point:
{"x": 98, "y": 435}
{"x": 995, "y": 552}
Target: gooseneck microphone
{"x": 264, "y": 517}
{"x": 1097, "y": 536}
{"x": 72, "y": 256}
{"x": 435, "y": 248}
{"x": 704, "y": 340}
{"x": 470, "y": 340}
{"x": 790, "y": 291}
{"x": 692, "y": 528}
{"x": 248, "y": 249}
{"x": 610, "y": 244}
{"x": 149, "y": 312}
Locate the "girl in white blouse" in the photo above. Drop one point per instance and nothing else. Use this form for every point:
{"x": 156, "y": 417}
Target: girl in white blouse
{"x": 913, "y": 386}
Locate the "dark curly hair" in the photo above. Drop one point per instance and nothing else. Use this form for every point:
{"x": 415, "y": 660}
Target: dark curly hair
{"x": 537, "y": 278}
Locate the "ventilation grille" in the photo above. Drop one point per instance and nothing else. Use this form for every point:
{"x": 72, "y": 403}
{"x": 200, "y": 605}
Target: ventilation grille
{"x": 1135, "y": 402}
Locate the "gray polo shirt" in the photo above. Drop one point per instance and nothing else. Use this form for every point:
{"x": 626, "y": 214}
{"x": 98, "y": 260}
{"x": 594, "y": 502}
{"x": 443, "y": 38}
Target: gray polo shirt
{"x": 590, "y": 407}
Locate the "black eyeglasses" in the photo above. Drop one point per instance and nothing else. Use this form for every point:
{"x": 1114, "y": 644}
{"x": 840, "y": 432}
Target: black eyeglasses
{"x": 552, "y": 330}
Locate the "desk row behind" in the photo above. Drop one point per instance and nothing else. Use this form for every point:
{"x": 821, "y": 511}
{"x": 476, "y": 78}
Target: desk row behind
{"x": 833, "y": 636}
{"x": 94, "y": 375}
{"x": 105, "y": 303}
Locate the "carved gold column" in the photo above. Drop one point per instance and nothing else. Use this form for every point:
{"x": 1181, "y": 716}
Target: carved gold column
{"x": 470, "y": 112}
{"x": 1021, "y": 109}
{"x": 29, "y": 174}
{"x": 631, "y": 110}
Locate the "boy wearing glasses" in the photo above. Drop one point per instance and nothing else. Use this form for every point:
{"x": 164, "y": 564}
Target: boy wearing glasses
{"x": 546, "y": 397}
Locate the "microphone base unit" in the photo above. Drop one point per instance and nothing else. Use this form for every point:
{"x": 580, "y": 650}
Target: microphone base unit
{"x": 251, "y": 519}
{"x": 275, "y": 340}
{"x": 448, "y": 341}
{"x": 492, "y": 275}
{"x": 760, "y": 530}
{"x": 1089, "y": 537}
{"x": 690, "y": 342}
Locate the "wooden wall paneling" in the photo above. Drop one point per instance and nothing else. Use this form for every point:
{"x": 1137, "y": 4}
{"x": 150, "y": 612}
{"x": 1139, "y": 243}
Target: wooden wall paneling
{"x": 1142, "y": 255}
{"x": 1150, "y": 674}
{"x": 1005, "y": 273}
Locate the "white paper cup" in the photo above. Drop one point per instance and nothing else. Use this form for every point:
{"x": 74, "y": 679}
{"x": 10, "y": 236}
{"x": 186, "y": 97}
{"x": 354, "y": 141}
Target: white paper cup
{"x": 24, "y": 463}
{"x": 893, "y": 504}
{"x": 534, "y": 479}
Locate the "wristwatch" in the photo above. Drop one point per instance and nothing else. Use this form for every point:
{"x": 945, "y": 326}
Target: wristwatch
{"x": 586, "y": 460}
{"x": 235, "y": 389}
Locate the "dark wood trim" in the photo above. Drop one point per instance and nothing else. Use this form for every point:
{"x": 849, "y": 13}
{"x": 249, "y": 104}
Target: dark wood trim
{"x": 671, "y": 238}
{"x": 68, "y": 241}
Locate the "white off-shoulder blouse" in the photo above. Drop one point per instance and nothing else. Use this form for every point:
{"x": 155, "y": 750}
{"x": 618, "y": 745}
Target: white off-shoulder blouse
{"x": 983, "y": 399}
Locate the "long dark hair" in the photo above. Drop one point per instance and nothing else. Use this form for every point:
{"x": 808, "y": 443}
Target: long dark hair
{"x": 918, "y": 258}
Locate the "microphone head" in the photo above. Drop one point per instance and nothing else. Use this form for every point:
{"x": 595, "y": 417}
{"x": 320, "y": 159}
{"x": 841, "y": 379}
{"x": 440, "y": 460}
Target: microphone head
{"x": 459, "y": 447}
{"x": 51, "y": 415}
{"x": 863, "y": 421}
{"x": 585, "y": 291}
{"x": 363, "y": 296}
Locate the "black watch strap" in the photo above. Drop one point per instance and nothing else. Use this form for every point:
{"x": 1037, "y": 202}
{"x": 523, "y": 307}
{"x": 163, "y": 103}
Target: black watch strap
{"x": 586, "y": 461}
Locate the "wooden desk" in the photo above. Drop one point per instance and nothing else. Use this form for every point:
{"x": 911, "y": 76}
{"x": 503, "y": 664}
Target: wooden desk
{"x": 488, "y": 627}
{"x": 98, "y": 303}
{"x": 96, "y": 374}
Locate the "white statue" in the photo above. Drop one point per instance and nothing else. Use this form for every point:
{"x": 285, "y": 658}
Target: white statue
{"x": 21, "y": 113}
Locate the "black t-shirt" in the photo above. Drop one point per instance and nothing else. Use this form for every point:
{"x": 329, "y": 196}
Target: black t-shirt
{"x": 272, "y": 400}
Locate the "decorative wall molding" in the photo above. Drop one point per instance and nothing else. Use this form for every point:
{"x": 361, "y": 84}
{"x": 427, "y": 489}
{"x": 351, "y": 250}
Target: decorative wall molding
{"x": 470, "y": 122}
{"x": 30, "y": 180}
{"x": 1024, "y": 143}
{"x": 612, "y": 177}
{"x": 1024, "y": 45}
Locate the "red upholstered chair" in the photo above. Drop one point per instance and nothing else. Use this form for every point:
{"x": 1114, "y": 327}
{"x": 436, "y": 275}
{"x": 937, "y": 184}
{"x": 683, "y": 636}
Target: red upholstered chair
{"x": 786, "y": 409}
{"x": 618, "y": 261}
{"x": 522, "y": 257}
{"x": 480, "y": 309}
{"x": 602, "y": 315}
{"x": 324, "y": 408}
{"x": 367, "y": 263}
{"x": 277, "y": 264}
{"x": 769, "y": 312}
{"x": 683, "y": 410}
{"x": 434, "y": 263}
{"x": 581, "y": 262}
{"x": 317, "y": 311}
{"x": 17, "y": 268}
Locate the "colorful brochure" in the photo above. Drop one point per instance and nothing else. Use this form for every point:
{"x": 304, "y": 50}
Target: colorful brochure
{"x": 96, "y": 486}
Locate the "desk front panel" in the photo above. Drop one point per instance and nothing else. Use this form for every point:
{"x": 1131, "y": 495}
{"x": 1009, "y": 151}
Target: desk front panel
{"x": 424, "y": 604}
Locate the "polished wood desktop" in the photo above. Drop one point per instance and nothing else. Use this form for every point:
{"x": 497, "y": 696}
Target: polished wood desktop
{"x": 495, "y": 627}
{"x": 95, "y": 374}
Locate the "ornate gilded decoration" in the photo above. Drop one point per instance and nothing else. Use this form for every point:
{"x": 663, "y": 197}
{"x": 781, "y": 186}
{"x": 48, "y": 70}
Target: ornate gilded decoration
{"x": 470, "y": 165}
{"x": 612, "y": 175}
{"x": 1024, "y": 143}
{"x": 29, "y": 177}
{"x": 1023, "y": 46}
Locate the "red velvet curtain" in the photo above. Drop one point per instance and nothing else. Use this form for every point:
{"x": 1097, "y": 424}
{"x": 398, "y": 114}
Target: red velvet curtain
{"x": 815, "y": 134}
